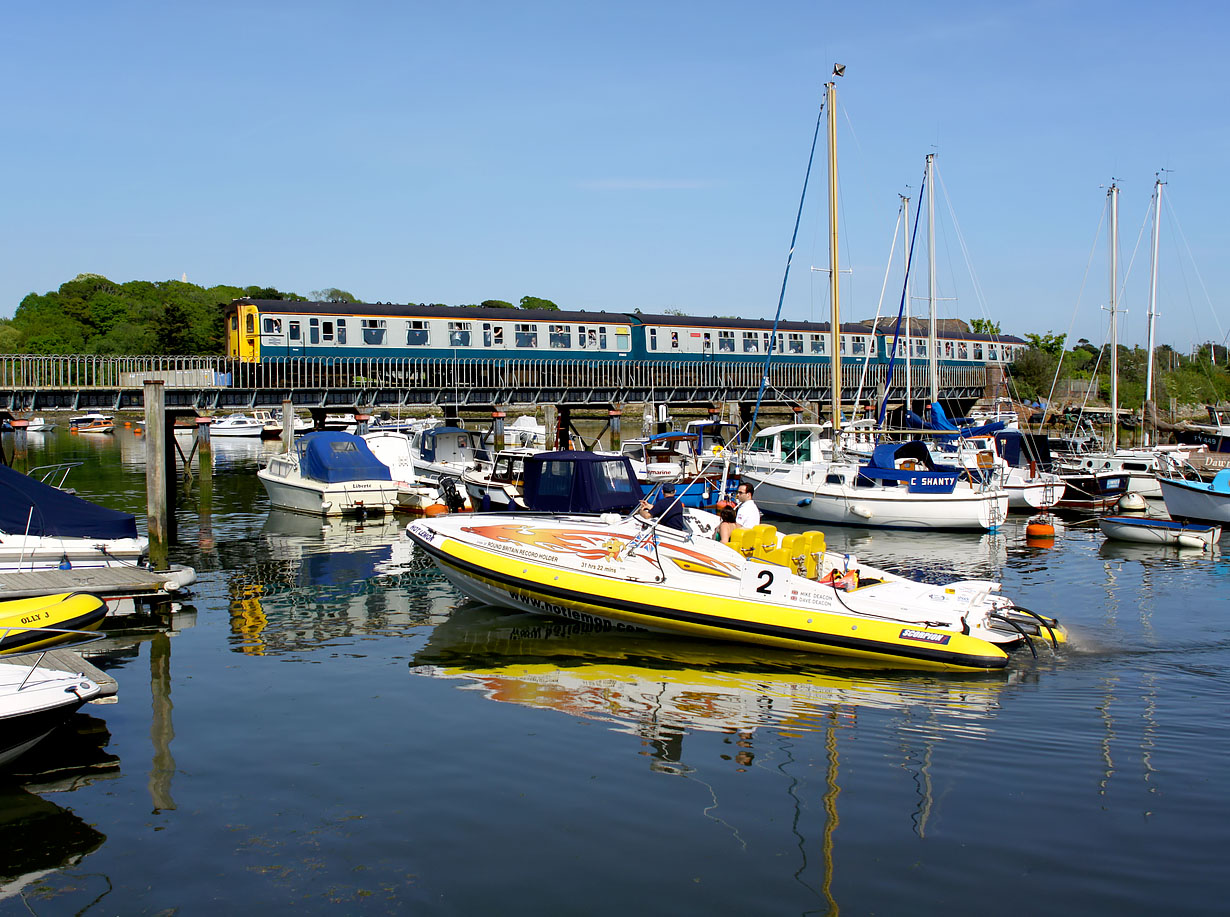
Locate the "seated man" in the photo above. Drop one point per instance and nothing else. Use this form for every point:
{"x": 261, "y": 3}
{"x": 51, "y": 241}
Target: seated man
{"x": 668, "y": 507}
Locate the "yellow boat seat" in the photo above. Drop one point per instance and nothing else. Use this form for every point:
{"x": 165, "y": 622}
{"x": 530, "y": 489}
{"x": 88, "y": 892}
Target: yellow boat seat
{"x": 764, "y": 540}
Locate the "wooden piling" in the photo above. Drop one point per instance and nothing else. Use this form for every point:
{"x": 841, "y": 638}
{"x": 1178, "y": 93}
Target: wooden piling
{"x": 288, "y": 425}
{"x": 156, "y": 476}
{"x": 615, "y": 414}
{"x": 497, "y": 431}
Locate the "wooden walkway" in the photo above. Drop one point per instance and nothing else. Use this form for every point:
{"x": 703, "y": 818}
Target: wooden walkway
{"x": 99, "y": 581}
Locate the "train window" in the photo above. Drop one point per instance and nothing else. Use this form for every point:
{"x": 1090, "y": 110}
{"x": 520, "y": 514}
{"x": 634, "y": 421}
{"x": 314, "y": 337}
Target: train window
{"x": 497, "y": 336}
{"x": 948, "y": 350}
{"x": 341, "y": 331}
{"x": 234, "y": 322}
{"x": 1007, "y": 353}
{"x": 750, "y": 344}
{"x": 294, "y": 332}
{"x": 373, "y": 330}
{"x": 623, "y": 339}
{"x": 794, "y": 343}
{"x": 561, "y": 336}
{"x": 817, "y": 343}
{"x": 313, "y": 331}
{"x": 978, "y": 350}
{"x": 326, "y": 331}
{"x": 601, "y": 336}
{"x": 858, "y": 345}
{"x": 250, "y": 324}
{"x": 767, "y": 339}
{"x": 653, "y": 338}
{"x": 674, "y": 340}
{"x": 845, "y": 344}
{"x": 992, "y": 352}
{"x": 527, "y": 335}
{"x": 707, "y": 344}
{"x": 726, "y": 342}
{"x": 458, "y": 334}
{"x": 273, "y": 326}
{"x": 416, "y": 332}
{"x": 920, "y": 348}
{"x": 962, "y": 350}
{"x": 588, "y": 337}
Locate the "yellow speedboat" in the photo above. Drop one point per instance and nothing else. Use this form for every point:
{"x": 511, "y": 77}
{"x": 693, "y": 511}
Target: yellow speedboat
{"x": 611, "y": 568}
{"x": 24, "y": 623}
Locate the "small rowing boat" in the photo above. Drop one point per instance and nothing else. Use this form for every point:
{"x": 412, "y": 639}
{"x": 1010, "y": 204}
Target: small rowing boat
{"x": 1146, "y": 530}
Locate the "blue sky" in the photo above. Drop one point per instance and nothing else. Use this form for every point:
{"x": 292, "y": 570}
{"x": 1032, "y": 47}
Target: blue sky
{"x": 620, "y": 156}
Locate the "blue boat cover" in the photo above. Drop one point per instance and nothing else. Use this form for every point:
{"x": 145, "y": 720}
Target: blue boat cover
{"x": 580, "y": 482}
{"x": 335, "y": 458}
{"x": 929, "y": 478}
{"x": 27, "y": 505}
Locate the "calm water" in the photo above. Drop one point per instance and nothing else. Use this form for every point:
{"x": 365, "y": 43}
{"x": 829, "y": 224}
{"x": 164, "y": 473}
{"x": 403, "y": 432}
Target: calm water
{"x": 331, "y": 728}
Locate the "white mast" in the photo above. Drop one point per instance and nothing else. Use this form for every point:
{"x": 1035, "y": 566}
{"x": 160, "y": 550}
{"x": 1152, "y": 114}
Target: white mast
{"x": 1113, "y": 194}
{"x": 1157, "y": 228}
{"x": 830, "y": 102}
{"x": 933, "y": 366}
{"x": 909, "y": 375}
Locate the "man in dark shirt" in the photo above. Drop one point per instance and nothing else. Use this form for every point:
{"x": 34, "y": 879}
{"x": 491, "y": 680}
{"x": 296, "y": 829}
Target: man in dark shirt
{"x": 667, "y": 507}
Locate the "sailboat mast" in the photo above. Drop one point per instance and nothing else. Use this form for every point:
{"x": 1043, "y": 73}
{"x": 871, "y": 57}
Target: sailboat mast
{"x": 933, "y": 366}
{"x": 909, "y": 375}
{"x": 830, "y": 102}
{"x": 1113, "y": 193}
{"x": 1157, "y": 228}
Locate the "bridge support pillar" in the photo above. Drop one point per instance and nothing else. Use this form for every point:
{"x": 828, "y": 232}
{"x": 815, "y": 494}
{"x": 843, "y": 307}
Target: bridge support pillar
{"x": 497, "y": 431}
{"x": 288, "y": 425}
{"x": 159, "y": 495}
{"x": 550, "y": 420}
{"x": 20, "y": 438}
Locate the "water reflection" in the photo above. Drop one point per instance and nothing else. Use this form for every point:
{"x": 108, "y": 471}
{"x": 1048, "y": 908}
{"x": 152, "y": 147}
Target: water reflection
{"x": 660, "y": 688}
{"x": 39, "y": 837}
{"x": 319, "y": 580}
{"x": 933, "y": 557}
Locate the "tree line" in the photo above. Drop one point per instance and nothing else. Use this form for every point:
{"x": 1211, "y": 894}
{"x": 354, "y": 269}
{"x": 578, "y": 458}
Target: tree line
{"x": 93, "y": 315}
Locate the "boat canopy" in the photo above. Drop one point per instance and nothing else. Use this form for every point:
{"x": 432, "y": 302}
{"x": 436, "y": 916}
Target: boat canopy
{"x": 335, "y": 458}
{"x": 1019, "y": 449}
{"x": 940, "y": 421}
{"x": 580, "y": 482}
{"x": 918, "y": 470}
{"x": 31, "y": 507}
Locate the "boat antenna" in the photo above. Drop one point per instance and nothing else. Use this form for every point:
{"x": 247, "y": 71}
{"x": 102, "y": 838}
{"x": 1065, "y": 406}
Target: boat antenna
{"x": 838, "y": 70}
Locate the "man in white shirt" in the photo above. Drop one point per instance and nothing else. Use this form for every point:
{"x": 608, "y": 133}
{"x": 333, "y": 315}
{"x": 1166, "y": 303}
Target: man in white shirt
{"x": 748, "y": 514}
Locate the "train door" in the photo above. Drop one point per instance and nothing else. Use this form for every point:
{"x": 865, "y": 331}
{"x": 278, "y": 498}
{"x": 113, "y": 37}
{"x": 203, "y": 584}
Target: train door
{"x": 294, "y": 338}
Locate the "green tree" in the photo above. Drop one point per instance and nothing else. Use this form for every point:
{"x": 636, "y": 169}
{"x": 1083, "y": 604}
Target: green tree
{"x": 1047, "y": 343}
{"x": 495, "y": 304}
{"x": 332, "y": 294}
{"x": 533, "y": 302}
{"x": 984, "y": 326}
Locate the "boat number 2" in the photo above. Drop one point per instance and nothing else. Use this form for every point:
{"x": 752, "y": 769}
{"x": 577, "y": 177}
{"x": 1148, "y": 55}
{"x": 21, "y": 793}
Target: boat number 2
{"x": 766, "y": 580}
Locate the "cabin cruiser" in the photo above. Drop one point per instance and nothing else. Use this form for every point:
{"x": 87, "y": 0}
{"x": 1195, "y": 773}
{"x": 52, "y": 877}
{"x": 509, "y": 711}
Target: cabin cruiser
{"x": 92, "y": 423}
{"x": 581, "y": 552}
{"x": 238, "y": 425}
{"x": 330, "y": 474}
{"x": 393, "y": 450}
{"x": 444, "y": 451}
{"x": 43, "y": 528}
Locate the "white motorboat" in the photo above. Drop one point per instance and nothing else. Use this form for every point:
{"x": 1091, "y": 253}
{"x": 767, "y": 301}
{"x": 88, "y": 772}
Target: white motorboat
{"x": 330, "y": 474}
{"x": 237, "y": 425}
{"x": 393, "y": 450}
{"x": 92, "y": 423}
{"x": 271, "y": 424}
{"x": 525, "y": 432}
{"x": 1152, "y": 530}
{"x": 582, "y": 553}
{"x": 497, "y": 486}
{"x": 1028, "y": 488}
{"x": 39, "y": 425}
{"x": 43, "y": 527}
{"x": 1198, "y": 501}
{"x": 444, "y": 451}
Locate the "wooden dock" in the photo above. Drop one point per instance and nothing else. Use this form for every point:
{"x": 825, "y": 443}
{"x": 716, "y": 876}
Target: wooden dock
{"x": 104, "y": 582}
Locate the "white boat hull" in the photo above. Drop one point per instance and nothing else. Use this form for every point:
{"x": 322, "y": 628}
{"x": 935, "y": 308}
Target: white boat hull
{"x": 21, "y": 553}
{"x": 1143, "y": 530}
{"x": 1196, "y": 501}
{"x": 304, "y": 496}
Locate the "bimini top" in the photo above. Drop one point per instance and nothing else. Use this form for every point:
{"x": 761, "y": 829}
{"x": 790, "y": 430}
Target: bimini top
{"x": 580, "y": 482}
{"x": 335, "y": 458}
{"x": 30, "y": 506}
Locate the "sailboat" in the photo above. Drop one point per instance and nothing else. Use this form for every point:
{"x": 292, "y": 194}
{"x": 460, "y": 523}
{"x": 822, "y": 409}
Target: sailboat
{"x": 900, "y": 485}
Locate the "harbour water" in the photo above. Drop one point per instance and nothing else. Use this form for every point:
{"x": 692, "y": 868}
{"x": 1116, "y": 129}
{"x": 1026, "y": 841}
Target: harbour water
{"x": 330, "y": 727}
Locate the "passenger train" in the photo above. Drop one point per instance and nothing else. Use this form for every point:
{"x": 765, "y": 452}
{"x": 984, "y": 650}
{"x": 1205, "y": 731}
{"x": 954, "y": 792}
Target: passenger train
{"x": 268, "y": 331}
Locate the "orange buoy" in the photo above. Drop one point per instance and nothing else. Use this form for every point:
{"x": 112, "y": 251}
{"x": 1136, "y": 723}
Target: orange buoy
{"x": 436, "y": 509}
{"x": 1040, "y": 532}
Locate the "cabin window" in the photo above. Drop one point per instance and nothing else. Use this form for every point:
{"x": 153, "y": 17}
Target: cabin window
{"x": 794, "y": 343}
{"x": 416, "y": 332}
{"x": 313, "y": 331}
{"x": 674, "y": 340}
{"x": 623, "y": 340}
{"x": 977, "y": 350}
{"x": 341, "y": 331}
{"x": 796, "y": 446}
{"x": 561, "y": 336}
{"x": 750, "y": 344}
{"x": 653, "y": 338}
{"x": 294, "y": 332}
{"x": 249, "y": 324}
{"x": 458, "y": 334}
{"x": 326, "y": 331}
{"x": 962, "y": 350}
{"x": 726, "y": 342}
{"x": 373, "y": 330}
{"x": 817, "y": 343}
{"x": 527, "y": 335}
{"x": 273, "y": 326}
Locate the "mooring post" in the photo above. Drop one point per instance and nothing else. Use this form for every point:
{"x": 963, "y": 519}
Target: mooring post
{"x": 550, "y": 420}
{"x": 497, "y": 431}
{"x": 360, "y": 424}
{"x": 614, "y": 414}
{"x": 156, "y": 477}
{"x": 205, "y": 464}
{"x": 20, "y": 437}
{"x": 288, "y": 425}
{"x": 563, "y": 429}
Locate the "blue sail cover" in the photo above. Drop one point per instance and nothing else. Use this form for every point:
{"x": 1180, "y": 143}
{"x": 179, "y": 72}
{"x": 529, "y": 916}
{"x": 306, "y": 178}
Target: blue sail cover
{"x": 30, "y": 506}
{"x": 335, "y": 458}
{"x": 928, "y": 477}
{"x": 580, "y": 482}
